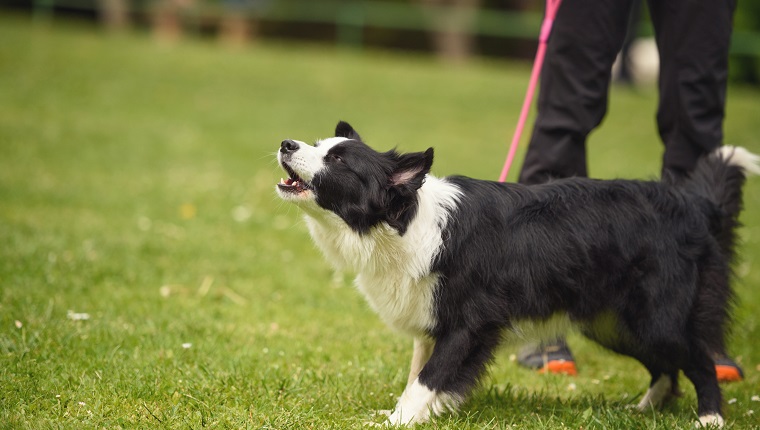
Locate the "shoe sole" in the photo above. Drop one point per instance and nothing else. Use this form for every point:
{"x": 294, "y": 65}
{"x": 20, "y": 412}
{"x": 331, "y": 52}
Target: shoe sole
{"x": 563, "y": 367}
{"x": 560, "y": 367}
{"x": 728, "y": 373}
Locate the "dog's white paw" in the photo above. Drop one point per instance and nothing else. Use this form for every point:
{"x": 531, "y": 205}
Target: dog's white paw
{"x": 710, "y": 421}
{"x": 385, "y": 413}
{"x": 399, "y": 418}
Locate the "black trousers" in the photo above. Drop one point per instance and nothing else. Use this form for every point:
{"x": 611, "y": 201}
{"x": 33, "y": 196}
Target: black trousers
{"x": 692, "y": 37}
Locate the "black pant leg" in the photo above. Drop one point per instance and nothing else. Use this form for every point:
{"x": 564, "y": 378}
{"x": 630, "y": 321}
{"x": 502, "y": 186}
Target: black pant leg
{"x": 585, "y": 39}
{"x": 693, "y": 38}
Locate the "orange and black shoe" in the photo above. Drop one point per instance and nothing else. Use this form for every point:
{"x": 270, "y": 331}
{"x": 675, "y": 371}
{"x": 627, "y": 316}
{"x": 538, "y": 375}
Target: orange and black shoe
{"x": 552, "y": 357}
{"x": 727, "y": 369}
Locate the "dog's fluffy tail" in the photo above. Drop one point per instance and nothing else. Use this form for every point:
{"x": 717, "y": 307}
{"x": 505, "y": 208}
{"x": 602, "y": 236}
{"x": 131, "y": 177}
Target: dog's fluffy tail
{"x": 719, "y": 177}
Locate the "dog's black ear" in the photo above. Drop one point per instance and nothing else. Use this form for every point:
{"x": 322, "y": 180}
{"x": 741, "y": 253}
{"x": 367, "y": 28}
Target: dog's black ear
{"x": 410, "y": 171}
{"x": 407, "y": 177}
{"x": 344, "y": 129}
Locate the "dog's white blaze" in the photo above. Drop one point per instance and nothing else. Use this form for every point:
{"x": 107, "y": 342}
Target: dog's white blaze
{"x": 418, "y": 403}
{"x": 308, "y": 160}
{"x": 393, "y": 271}
{"x": 656, "y": 393}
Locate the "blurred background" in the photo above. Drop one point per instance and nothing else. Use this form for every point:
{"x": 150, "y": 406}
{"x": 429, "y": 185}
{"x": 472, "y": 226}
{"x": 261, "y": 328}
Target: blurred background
{"x": 454, "y": 30}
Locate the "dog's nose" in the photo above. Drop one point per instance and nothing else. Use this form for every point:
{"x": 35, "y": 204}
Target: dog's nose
{"x": 288, "y": 146}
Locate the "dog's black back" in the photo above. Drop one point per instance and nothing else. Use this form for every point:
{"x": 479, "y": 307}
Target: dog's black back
{"x": 641, "y": 267}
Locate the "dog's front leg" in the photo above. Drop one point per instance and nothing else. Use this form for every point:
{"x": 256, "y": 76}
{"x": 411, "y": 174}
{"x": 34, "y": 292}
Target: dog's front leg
{"x": 456, "y": 363}
{"x": 423, "y": 348}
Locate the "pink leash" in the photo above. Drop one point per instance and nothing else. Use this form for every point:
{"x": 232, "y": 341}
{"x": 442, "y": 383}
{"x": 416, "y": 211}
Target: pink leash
{"x": 546, "y": 27}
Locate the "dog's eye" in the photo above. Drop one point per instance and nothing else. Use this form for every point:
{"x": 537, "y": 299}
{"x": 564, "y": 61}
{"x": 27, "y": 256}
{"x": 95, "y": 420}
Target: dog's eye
{"x": 335, "y": 158}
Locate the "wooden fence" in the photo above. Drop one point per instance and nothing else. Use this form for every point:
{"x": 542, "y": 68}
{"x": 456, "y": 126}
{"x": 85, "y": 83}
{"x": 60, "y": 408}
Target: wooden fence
{"x": 349, "y": 18}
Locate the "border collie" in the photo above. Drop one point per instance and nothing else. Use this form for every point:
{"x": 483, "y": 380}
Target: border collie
{"x": 461, "y": 264}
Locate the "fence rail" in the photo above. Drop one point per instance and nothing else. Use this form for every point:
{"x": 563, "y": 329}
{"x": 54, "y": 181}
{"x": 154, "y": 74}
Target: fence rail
{"x": 350, "y": 18}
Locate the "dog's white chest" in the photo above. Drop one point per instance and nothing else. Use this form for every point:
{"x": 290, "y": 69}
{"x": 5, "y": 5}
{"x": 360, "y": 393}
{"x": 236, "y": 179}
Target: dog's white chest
{"x": 392, "y": 273}
{"x": 403, "y": 303}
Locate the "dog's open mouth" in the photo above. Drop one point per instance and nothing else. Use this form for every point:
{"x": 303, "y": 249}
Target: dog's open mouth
{"x": 294, "y": 184}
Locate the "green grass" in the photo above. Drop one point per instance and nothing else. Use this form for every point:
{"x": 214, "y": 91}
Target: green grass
{"x": 136, "y": 185}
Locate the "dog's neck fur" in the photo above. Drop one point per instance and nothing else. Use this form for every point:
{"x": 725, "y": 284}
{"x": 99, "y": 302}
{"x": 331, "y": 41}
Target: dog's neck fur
{"x": 393, "y": 271}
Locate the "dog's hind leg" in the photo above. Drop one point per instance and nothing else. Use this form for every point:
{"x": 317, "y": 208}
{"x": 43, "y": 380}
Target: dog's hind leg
{"x": 457, "y": 361}
{"x": 701, "y": 372}
{"x": 706, "y": 330}
{"x": 662, "y": 387}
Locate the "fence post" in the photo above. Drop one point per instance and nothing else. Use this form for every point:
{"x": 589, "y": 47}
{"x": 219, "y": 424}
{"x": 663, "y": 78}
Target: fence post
{"x": 43, "y": 10}
{"x": 114, "y": 14}
{"x": 350, "y": 25}
{"x": 453, "y": 22}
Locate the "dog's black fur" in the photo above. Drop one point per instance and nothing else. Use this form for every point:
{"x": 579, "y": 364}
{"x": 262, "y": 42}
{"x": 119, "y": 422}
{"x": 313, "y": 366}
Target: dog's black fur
{"x": 641, "y": 267}
{"x": 647, "y": 254}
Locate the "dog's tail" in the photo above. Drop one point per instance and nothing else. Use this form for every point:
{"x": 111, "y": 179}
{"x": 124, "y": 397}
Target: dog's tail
{"x": 719, "y": 177}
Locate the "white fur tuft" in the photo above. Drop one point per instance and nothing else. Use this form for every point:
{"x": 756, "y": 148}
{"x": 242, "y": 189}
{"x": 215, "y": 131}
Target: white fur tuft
{"x": 418, "y": 403}
{"x": 738, "y": 156}
{"x": 710, "y": 421}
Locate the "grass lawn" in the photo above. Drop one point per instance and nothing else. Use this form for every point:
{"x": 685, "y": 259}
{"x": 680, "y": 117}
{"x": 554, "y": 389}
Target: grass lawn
{"x": 137, "y": 187}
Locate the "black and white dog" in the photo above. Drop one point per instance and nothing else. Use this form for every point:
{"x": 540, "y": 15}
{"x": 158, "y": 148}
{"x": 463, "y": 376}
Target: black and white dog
{"x": 640, "y": 267}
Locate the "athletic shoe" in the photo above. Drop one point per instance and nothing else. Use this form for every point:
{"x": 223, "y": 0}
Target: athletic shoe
{"x": 552, "y": 357}
{"x": 727, "y": 369}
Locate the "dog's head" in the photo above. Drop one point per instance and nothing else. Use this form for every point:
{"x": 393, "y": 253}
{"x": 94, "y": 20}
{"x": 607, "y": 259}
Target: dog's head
{"x": 343, "y": 175}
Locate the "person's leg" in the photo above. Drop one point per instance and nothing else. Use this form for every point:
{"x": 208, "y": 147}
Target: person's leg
{"x": 575, "y": 79}
{"x": 625, "y": 74}
{"x": 693, "y": 38}
{"x": 586, "y": 37}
